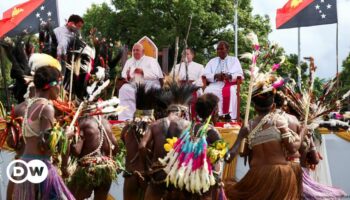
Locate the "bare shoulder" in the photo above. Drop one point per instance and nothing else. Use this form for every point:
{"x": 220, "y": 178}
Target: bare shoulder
{"x": 106, "y": 124}
{"x": 182, "y": 123}
{"x": 48, "y": 111}
{"x": 281, "y": 120}
{"x": 87, "y": 123}
{"x": 19, "y": 109}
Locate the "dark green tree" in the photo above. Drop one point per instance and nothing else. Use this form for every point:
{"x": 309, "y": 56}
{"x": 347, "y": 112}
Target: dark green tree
{"x": 344, "y": 81}
{"x": 104, "y": 19}
{"x": 164, "y": 20}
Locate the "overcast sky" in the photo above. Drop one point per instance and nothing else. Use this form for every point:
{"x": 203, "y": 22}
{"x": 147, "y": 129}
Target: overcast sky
{"x": 317, "y": 41}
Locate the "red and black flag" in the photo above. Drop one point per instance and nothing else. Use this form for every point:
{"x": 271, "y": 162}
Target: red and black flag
{"x": 300, "y": 13}
{"x": 28, "y": 16}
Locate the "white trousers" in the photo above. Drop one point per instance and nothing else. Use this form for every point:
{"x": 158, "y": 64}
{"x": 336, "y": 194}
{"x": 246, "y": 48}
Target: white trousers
{"x": 127, "y": 98}
{"x": 216, "y": 88}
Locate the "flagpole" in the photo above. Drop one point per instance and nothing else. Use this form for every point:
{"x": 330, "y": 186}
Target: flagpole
{"x": 337, "y": 56}
{"x": 337, "y": 49}
{"x": 236, "y": 27}
{"x": 299, "y": 68}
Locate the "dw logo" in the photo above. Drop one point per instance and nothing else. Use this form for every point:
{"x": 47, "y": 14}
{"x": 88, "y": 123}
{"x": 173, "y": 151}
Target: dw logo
{"x": 35, "y": 171}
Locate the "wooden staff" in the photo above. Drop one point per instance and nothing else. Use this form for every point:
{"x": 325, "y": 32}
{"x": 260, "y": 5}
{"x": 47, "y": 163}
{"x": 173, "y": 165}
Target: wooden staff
{"x": 186, "y": 61}
{"x": 175, "y": 56}
{"x": 250, "y": 92}
{"x": 76, "y": 115}
{"x": 184, "y": 58}
{"x": 71, "y": 79}
{"x": 311, "y": 86}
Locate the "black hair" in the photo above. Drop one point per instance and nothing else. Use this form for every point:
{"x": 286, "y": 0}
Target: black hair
{"x": 279, "y": 101}
{"x": 191, "y": 50}
{"x": 45, "y": 75}
{"x": 264, "y": 100}
{"x": 76, "y": 19}
{"x": 206, "y": 104}
{"x": 145, "y": 99}
{"x": 227, "y": 46}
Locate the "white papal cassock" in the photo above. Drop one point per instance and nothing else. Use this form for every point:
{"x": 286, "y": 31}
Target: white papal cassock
{"x": 229, "y": 65}
{"x": 152, "y": 73}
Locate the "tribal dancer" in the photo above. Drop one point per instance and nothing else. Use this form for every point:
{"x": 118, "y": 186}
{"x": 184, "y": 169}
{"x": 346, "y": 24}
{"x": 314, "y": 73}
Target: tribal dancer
{"x": 95, "y": 147}
{"x": 188, "y": 164}
{"x": 38, "y": 133}
{"x": 294, "y": 126}
{"x": 309, "y": 157}
{"x": 134, "y": 178}
{"x": 15, "y": 139}
{"x": 95, "y": 150}
{"x": 269, "y": 138}
{"x": 163, "y": 130}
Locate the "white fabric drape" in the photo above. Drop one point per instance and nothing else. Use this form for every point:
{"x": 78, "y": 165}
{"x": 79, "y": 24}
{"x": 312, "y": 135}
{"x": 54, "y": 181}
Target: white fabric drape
{"x": 322, "y": 173}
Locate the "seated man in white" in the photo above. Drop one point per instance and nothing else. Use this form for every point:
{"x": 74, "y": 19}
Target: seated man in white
{"x": 194, "y": 75}
{"x": 138, "y": 68}
{"x": 221, "y": 73}
{"x": 194, "y": 70}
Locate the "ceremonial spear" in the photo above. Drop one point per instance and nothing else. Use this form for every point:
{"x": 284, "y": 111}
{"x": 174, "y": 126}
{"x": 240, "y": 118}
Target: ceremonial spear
{"x": 184, "y": 58}
{"x": 253, "y": 38}
{"x": 311, "y": 86}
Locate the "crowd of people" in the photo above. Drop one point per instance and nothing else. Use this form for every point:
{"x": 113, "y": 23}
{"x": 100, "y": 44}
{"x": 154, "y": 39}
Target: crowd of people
{"x": 173, "y": 149}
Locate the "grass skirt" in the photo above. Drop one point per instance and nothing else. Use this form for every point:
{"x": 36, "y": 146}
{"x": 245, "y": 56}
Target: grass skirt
{"x": 94, "y": 172}
{"x": 313, "y": 190}
{"x": 269, "y": 182}
{"x": 299, "y": 176}
{"x": 52, "y": 187}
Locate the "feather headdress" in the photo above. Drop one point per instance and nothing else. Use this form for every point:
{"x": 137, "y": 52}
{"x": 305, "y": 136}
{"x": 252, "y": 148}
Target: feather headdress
{"x": 146, "y": 98}
{"x": 328, "y": 102}
{"x": 260, "y": 81}
{"x": 38, "y": 60}
{"x": 176, "y": 94}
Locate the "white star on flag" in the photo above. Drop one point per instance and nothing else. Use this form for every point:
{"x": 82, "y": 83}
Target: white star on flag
{"x": 320, "y": 11}
{"x": 329, "y": 6}
{"x": 49, "y": 14}
{"x": 37, "y": 15}
{"x": 317, "y": 7}
{"x": 323, "y": 16}
{"x": 42, "y": 8}
{"x": 322, "y": 1}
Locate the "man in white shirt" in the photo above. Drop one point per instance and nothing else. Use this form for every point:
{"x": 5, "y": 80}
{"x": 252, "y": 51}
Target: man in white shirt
{"x": 194, "y": 70}
{"x": 194, "y": 75}
{"x": 138, "y": 68}
{"x": 221, "y": 73}
{"x": 65, "y": 34}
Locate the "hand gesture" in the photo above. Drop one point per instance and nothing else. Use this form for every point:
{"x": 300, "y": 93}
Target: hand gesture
{"x": 69, "y": 132}
{"x": 219, "y": 77}
{"x": 229, "y": 156}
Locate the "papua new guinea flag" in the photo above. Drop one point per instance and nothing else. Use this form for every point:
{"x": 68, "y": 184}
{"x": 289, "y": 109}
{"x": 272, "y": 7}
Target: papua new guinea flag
{"x": 28, "y": 16}
{"x": 300, "y": 13}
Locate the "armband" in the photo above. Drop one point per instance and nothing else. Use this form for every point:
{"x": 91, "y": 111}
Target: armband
{"x": 290, "y": 137}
